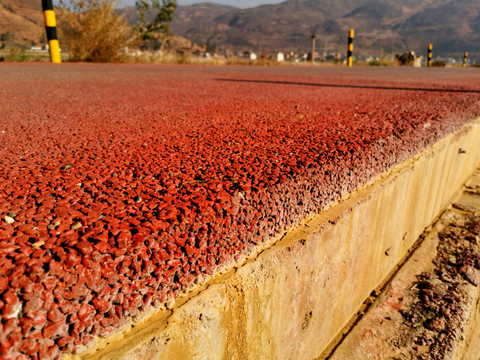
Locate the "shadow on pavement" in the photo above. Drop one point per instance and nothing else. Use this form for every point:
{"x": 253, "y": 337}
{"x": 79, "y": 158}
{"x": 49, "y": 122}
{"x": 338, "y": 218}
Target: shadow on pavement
{"x": 352, "y": 86}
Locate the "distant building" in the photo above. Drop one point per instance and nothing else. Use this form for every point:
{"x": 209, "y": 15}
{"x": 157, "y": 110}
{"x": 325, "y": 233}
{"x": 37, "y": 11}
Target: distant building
{"x": 40, "y": 48}
{"x": 250, "y": 55}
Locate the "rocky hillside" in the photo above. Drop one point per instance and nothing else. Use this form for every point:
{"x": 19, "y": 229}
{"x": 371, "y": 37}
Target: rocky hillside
{"x": 21, "y": 21}
{"x": 453, "y": 26}
{"x": 392, "y": 25}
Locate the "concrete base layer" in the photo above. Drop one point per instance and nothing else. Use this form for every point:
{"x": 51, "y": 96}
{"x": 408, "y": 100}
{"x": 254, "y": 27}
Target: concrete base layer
{"x": 431, "y": 308}
{"x": 295, "y": 296}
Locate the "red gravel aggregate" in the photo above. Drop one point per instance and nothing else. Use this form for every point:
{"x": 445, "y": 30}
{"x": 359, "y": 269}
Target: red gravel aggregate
{"x": 127, "y": 184}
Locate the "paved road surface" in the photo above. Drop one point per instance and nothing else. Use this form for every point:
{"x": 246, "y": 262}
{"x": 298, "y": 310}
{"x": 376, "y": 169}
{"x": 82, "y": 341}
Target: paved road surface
{"x": 123, "y": 185}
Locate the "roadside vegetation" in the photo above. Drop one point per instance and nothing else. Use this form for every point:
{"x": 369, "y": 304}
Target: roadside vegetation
{"x": 98, "y": 31}
{"x": 93, "y": 31}
{"x": 22, "y": 54}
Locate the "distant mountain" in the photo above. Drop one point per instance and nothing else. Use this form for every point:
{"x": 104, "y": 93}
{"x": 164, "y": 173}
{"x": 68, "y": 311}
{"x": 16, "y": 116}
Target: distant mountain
{"x": 21, "y": 21}
{"x": 188, "y": 18}
{"x": 392, "y": 25}
{"x": 453, "y": 26}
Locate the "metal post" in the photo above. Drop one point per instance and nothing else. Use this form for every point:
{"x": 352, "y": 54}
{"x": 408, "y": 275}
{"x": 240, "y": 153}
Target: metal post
{"x": 430, "y": 47}
{"x": 350, "y": 48}
{"x": 465, "y": 60}
{"x": 313, "y": 48}
{"x": 51, "y": 29}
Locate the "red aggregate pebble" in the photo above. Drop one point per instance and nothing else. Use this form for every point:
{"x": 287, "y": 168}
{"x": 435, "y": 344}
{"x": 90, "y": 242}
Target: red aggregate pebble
{"x": 127, "y": 184}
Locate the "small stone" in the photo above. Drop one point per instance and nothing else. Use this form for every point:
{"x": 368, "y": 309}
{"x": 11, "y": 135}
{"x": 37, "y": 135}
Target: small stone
{"x": 170, "y": 304}
{"x": 66, "y": 167}
{"x": 51, "y": 329}
{"x": 76, "y": 226}
{"x": 434, "y": 284}
{"x": 54, "y": 225}
{"x": 9, "y": 220}
{"x": 101, "y": 305}
{"x": 86, "y": 312}
{"x": 54, "y": 315}
{"x": 85, "y": 247}
{"x": 38, "y": 245}
{"x": 436, "y": 324}
{"x": 472, "y": 276}
{"x": 39, "y": 317}
{"x": 452, "y": 260}
{"x": 10, "y": 311}
{"x": 445, "y": 276}
{"x": 10, "y": 297}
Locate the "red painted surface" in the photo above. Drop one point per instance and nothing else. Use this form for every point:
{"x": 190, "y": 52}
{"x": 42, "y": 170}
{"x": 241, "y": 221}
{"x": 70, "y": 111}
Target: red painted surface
{"x": 131, "y": 183}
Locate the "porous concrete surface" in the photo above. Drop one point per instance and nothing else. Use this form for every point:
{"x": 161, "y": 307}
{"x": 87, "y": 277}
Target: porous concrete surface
{"x": 124, "y": 186}
{"x": 294, "y": 297}
{"x": 431, "y": 308}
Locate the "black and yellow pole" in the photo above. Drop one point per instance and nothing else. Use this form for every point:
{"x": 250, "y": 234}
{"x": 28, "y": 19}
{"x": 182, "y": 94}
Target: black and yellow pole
{"x": 350, "y": 48}
{"x": 429, "y": 61}
{"x": 51, "y": 28}
{"x": 465, "y": 59}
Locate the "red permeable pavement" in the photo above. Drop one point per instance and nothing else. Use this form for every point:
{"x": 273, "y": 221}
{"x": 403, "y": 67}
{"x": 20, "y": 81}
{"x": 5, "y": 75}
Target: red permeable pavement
{"x": 127, "y": 184}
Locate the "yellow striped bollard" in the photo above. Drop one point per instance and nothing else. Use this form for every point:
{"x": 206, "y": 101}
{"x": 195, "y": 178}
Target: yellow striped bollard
{"x": 51, "y": 28}
{"x": 465, "y": 60}
{"x": 429, "y": 55}
{"x": 350, "y": 48}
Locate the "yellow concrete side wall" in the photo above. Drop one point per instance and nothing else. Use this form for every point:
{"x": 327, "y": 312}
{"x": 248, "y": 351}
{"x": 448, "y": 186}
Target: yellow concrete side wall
{"x": 293, "y": 299}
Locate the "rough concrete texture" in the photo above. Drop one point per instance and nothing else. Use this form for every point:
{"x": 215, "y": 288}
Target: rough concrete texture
{"x": 431, "y": 308}
{"x": 294, "y": 298}
{"x": 123, "y": 186}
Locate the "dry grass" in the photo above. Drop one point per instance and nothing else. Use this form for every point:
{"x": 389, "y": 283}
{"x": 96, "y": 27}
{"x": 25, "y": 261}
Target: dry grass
{"x": 146, "y": 57}
{"x": 92, "y": 31}
{"x": 439, "y": 63}
{"x": 258, "y": 62}
{"x": 383, "y": 62}
{"x": 20, "y": 54}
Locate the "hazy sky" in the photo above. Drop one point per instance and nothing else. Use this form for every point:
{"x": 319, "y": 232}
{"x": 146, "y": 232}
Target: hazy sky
{"x": 237, "y": 3}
